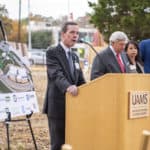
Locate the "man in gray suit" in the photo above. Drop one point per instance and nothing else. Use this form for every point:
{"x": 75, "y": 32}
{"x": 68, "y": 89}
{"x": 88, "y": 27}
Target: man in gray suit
{"x": 112, "y": 59}
{"x": 64, "y": 75}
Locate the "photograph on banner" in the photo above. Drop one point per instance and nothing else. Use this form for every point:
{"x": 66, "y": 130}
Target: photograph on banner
{"x": 18, "y": 104}
{"x": 15, "y": 76}
{"x": 17, "y": 93}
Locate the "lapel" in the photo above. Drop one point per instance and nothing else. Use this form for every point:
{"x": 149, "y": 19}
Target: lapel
{"x": 140, "y": 67}
{"x": 125, "y": 61}
{"x": 113, "y": 60}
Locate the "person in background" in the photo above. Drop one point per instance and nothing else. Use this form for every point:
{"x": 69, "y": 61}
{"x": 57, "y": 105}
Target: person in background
{"x": 135, "y": 62}
{"x": 112, "y": 59}
{"x": 64, "y": 75}
{"x": 144, "y": 46}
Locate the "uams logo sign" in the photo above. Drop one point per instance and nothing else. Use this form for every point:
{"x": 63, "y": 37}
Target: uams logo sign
{"x": 139, "y": 104}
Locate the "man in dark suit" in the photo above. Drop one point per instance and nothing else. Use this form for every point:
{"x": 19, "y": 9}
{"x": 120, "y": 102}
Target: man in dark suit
{"x": 112, "y": 59}
{"x": 64, "y": 75}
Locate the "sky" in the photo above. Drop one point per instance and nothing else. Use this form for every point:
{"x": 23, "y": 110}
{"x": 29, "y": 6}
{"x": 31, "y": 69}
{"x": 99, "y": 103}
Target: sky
{"x": 47, "y": 8}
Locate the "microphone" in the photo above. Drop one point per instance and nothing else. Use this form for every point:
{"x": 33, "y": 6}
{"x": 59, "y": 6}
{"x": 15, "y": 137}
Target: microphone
{"x": 82, "y": 41}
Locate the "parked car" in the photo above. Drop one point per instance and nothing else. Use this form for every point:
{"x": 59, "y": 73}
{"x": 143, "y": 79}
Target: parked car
{"x": 37, "y": 57}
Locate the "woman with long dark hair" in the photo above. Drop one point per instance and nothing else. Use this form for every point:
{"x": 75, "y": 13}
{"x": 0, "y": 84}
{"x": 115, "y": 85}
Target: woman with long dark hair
{"x": 135, "y": 62}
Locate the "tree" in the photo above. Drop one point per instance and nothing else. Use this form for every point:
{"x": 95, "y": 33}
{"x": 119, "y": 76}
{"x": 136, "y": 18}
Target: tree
{"x": 3, "y": 11}
{"x": 128, "y": 16}
{"x": 5, "y": 20}
{"x": 13, "y": 34}
{"x": 41, "y": 39}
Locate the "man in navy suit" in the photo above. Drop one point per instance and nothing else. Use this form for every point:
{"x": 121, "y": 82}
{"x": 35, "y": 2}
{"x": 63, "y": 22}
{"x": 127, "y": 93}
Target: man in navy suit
{"x": 64, "y": 75}
{"x": 144, "y": 46}
{"x": 112, "y": 59}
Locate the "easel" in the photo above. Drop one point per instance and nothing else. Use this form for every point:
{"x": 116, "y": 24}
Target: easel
{"x": 8, "y": 120}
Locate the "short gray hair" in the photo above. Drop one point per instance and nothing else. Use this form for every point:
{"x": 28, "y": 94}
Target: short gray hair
{"x": 118, "y": 36}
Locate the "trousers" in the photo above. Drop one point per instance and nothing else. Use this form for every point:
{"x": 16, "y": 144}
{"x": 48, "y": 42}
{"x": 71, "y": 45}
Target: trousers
{"x": 57, "y": 132}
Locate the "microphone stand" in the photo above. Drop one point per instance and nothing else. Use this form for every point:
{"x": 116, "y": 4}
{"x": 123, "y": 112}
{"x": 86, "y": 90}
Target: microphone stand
{"x": 90, "y": 45}
{"x": 93, "y": 49}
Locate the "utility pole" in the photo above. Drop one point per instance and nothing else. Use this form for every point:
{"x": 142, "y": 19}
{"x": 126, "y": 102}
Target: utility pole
{"x": 19, "y": 24}
{"x": 29, "y": 28}
{"x": 68, "y": 10}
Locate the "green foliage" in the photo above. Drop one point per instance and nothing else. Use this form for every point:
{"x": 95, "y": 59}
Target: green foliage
{"x": 5, "y": 20}
{"x": 3, "y": 11}
{"x": 41, "y": 39}
{"x": 122, "y": 15}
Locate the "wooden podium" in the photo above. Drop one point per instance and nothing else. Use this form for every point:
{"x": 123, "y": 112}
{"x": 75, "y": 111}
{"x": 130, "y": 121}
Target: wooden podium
{"x": 110, "y": 113}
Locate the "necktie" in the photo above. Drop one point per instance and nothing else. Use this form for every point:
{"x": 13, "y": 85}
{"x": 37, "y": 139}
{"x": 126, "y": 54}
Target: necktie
{"x": 120, "y": 63}
{"x": 71, "y": 63}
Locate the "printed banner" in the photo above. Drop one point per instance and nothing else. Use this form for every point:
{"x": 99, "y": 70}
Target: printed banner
{"x": 18, "y": 104}
{"x": 17, "y": 94}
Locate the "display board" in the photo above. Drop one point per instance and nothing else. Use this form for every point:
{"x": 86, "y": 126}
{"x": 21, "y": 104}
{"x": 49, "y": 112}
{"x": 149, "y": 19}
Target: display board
{"x": 17, "y": 94}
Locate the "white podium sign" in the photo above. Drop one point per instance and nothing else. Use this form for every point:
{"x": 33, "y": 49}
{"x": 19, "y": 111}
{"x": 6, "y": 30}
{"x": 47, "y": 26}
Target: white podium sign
{"x": 139, "y": 104}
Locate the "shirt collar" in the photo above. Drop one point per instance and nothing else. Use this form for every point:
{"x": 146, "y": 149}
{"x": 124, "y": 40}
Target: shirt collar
{"x": 65, "y": 47}
{"x": 112, "y": 49}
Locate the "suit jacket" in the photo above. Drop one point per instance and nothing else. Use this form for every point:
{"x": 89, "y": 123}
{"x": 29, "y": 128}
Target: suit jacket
{"x": 106, "y": 62}
{"x": 59, "y": 78}
{"x": 144, "y": 46}
{"x": 136, "y": 69}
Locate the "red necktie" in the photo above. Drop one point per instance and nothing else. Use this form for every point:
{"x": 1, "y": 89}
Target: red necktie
{"x": 120, "y": 63}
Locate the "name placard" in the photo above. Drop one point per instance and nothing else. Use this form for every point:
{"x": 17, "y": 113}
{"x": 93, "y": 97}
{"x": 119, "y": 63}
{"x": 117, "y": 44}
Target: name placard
{"x": 139, "y": 104}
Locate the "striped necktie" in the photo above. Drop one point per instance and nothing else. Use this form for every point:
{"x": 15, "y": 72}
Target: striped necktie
{"x": 70, "y": 60}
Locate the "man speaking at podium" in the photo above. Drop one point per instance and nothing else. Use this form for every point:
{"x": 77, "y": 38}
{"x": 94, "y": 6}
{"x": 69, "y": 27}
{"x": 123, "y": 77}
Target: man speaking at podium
{"x": 112, "y": 59}
{"x": 64, "y": 75}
